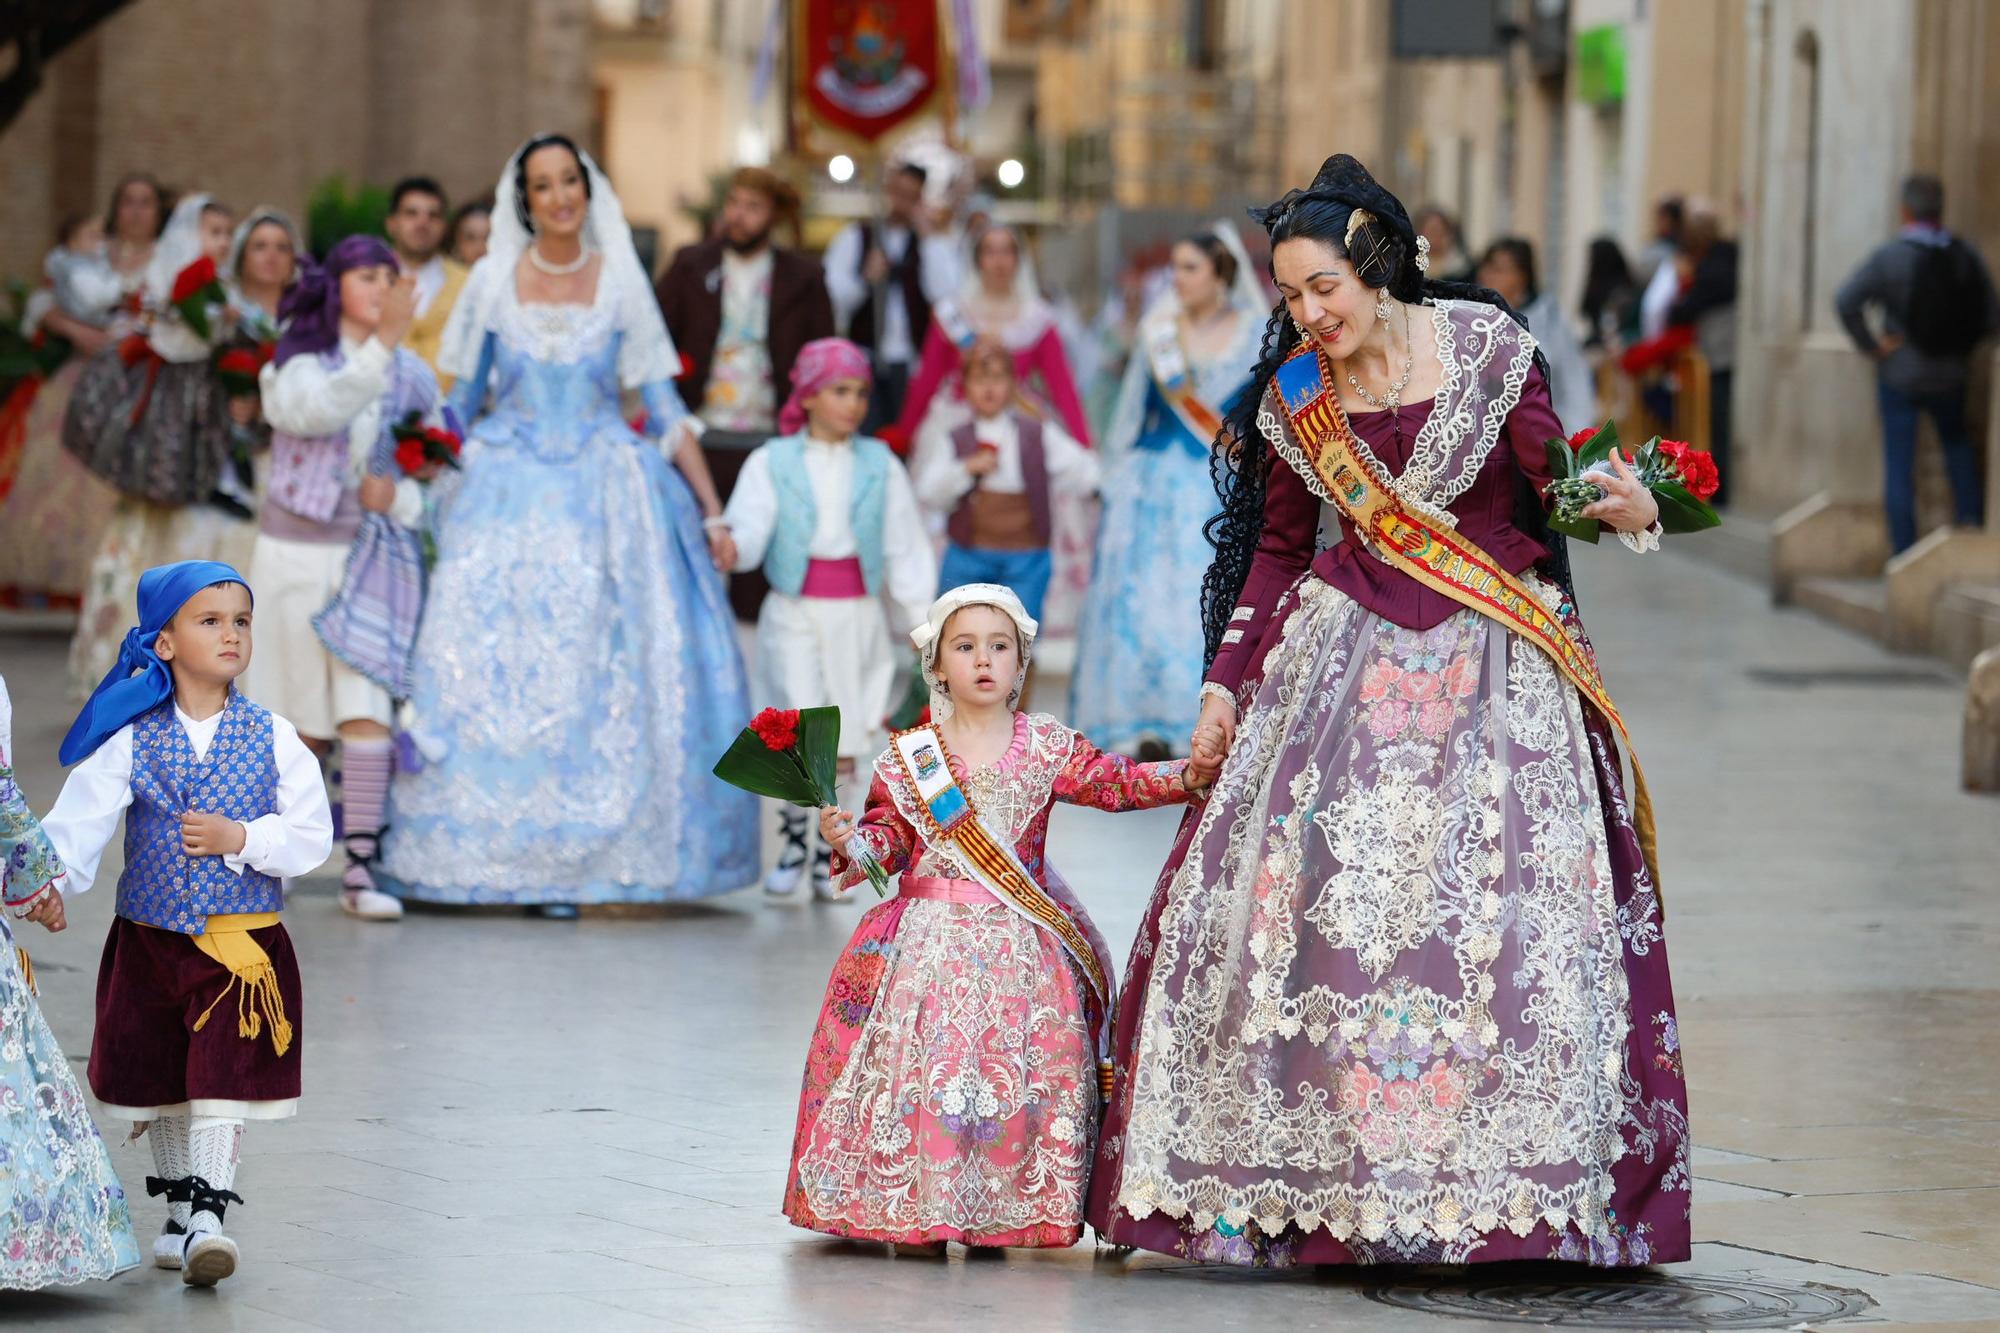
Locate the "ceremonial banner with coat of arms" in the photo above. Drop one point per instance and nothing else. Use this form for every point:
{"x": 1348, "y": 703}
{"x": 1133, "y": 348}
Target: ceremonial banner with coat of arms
{"x": 864, "y": 67}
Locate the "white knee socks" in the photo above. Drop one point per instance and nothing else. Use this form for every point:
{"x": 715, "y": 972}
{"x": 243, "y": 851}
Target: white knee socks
{"x": 169, "y": 1137}
{"x": 214, "y": 1144}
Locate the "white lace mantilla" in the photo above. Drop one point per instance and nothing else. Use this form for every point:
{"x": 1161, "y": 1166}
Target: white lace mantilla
{"x": 1467, "y": 414}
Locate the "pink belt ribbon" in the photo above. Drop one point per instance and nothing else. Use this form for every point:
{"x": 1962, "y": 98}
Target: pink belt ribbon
{"x": 834, "y": 579}
{"x": 937, "y": 889}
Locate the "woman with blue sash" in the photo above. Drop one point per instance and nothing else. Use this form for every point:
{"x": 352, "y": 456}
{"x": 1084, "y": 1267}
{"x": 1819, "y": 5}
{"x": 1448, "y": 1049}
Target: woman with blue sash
{"x": 1139, "y": 643}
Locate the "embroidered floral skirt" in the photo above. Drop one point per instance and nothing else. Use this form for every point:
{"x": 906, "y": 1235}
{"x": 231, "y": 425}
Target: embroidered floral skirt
{"x": 52, "y": 517}
{"x": 1401, "y": 993}
{"x": 949, "y": 1090}
{"x": 63, "y": 1215}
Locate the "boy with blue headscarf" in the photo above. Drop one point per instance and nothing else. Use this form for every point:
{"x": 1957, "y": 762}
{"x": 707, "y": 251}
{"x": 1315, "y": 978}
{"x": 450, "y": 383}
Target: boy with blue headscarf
{"x": 221, "y": 802}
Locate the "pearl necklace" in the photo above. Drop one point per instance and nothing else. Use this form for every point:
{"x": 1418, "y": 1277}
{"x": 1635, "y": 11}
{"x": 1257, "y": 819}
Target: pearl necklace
{"x": 559, "y": 270}
{"x": 1393, "y": 400}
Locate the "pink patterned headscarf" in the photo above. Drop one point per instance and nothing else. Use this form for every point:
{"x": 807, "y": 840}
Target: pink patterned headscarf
{"x": 820, "y": 363}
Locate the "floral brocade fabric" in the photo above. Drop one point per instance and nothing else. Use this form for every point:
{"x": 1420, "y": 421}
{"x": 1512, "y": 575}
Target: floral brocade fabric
{"x": 950, "y": 1089}
{"x": 1402, "y": 992}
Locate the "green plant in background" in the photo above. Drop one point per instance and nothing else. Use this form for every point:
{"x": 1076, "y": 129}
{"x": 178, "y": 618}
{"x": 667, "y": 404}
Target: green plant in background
{"x": 336, "y": 210}
{"x": 23, "y": 354}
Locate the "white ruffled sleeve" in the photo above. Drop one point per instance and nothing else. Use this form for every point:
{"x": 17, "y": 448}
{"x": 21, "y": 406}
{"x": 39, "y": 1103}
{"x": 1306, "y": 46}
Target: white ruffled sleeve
{"x": 86, "y": 815}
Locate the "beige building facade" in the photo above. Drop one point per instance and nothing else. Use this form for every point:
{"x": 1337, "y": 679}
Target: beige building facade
{"x": 258, "y": 102}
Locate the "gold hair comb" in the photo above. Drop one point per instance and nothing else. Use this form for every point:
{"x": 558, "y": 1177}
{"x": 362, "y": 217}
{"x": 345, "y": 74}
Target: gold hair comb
{"x": 1356, "y": 220}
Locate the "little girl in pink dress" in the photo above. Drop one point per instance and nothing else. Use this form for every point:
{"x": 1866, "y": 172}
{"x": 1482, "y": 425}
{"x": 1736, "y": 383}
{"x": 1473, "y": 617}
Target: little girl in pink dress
{"x": 953, "y": 1085}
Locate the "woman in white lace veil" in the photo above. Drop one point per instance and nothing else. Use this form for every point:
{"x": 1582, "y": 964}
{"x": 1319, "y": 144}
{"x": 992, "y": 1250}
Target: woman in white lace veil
{"x": 251, "y": 276}
{"x": 1140, "y": 642}
{"x": 999, "y": 299}
{"x": 577, "y": 669}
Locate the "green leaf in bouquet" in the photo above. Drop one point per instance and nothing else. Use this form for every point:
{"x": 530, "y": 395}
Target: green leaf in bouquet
{"x": 1680, "y": 511}
{"x": 748, "y": 764}
{"x": 1598, "y": 448}
{"x": 1582, "y": 529}
{"x": 1562, "y": 458}
{"x": 819, "y": 746}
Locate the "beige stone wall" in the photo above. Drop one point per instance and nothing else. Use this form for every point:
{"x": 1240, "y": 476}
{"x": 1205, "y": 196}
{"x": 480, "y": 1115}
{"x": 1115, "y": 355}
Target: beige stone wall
{"x": 1805, "y": 407}
{"x": 258, "y": 101}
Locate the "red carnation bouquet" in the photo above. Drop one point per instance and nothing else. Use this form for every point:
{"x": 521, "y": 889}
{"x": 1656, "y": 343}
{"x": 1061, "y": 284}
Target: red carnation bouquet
{"x": 1683, "y": 480}
{"x": 196, "y": 290}
{"x": 792, "y": 755}
{"x": 423, "y": 451}
{"x": 239, "y": 368}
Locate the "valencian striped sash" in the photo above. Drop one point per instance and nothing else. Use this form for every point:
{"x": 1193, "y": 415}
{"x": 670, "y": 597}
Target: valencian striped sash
{"x": 944, "y": 814}
{"x": 1439, "y": 558}
{"x": 1168, "y": 361}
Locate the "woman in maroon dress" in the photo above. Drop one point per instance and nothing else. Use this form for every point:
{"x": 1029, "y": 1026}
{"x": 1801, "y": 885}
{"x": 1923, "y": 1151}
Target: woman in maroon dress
{"x": 1401, "y": 993}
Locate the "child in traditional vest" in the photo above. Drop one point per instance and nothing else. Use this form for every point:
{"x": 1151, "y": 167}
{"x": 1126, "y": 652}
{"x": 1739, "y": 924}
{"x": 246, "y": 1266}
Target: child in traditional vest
{"x": 198, "y": 999}
{"x": 830, "y": 517}
{"x": 338, "y": 560}
{"x": 953, "y": 1082}
{"x": 994, "y": 476}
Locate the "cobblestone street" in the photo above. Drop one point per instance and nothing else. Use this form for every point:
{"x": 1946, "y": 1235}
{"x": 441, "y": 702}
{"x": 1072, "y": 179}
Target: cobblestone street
{"x": 524, "y": 1124}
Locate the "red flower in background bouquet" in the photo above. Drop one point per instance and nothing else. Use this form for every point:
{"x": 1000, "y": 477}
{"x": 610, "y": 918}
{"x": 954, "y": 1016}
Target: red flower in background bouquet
{"x": 1682, "y": 479}
{"x": 423, "y": 451}
{"x": 196, "y": 290}
{"x": 792, "y": 755}
{"x": 239, "y": 368}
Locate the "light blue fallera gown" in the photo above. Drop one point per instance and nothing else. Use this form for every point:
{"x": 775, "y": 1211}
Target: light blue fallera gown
{"x": 64, "y": 1217}
{"x": 1139, "y": 658}
{"x": 577, "y": 674}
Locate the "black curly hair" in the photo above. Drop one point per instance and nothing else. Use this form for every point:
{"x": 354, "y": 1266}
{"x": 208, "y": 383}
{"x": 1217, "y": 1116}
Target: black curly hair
{"x": 1384, "y": 255}
{"x": 528, "y": 150}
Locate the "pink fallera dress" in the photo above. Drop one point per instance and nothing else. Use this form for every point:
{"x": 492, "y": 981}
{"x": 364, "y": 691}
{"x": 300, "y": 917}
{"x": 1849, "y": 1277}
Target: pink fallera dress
{"x": 951, "y": 1088}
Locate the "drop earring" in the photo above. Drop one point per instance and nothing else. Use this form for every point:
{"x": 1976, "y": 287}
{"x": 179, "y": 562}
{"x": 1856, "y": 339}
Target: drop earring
{"x": 1382, "y": 306}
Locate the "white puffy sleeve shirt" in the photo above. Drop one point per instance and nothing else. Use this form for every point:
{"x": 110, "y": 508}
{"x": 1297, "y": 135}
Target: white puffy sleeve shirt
{"x": 909, "y": 565}
{"x": 294, "y": 840}
{"x": 304, "y": 398}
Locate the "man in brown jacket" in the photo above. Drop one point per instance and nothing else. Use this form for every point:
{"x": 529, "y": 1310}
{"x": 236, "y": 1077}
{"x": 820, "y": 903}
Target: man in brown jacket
{"x": 740, "y": 308}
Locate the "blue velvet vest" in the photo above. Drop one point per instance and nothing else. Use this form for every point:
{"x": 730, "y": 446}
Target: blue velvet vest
{"x": 791, "y": 540}
{"x": 162, "y": 886}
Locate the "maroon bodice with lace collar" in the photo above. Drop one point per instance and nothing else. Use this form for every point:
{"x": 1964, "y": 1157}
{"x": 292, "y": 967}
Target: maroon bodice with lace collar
{"x": 1485, "y": 514}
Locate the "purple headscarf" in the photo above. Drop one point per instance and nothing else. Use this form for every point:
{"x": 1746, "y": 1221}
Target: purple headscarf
{"x": 310, "y": 311}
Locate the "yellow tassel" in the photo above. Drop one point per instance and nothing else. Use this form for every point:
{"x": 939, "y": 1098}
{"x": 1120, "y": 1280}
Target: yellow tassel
{"x": 27, "y": 970}
{"x": 258, "y": 1000}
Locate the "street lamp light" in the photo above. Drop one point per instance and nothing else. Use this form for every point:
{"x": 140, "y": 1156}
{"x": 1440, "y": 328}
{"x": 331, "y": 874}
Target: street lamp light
{"x": 1011, "y": 173}
{"x": 841, "y": 168}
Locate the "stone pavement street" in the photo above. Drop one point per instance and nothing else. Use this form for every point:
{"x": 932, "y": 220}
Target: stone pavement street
{"x": 514, "y": 1124}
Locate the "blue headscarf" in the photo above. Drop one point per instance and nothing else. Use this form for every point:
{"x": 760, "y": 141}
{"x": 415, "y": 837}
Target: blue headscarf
{"x": 140, "y": 682}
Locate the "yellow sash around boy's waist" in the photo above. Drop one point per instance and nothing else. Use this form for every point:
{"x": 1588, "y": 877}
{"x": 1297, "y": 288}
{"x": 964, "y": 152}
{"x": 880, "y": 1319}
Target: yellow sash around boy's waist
{"x": 226, "y": 938}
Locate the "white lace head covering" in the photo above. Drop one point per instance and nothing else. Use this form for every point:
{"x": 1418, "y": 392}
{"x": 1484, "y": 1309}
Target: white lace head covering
{"x": 604, "y": 230}
{"x": 1244, "y": 291}
{"x": 928, "y": 635}
{"x": 252, "y": 316}
{"x": 179, "y": 245}
{"x": 1030, "y": 315}
{"x": 263, "y": 213}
